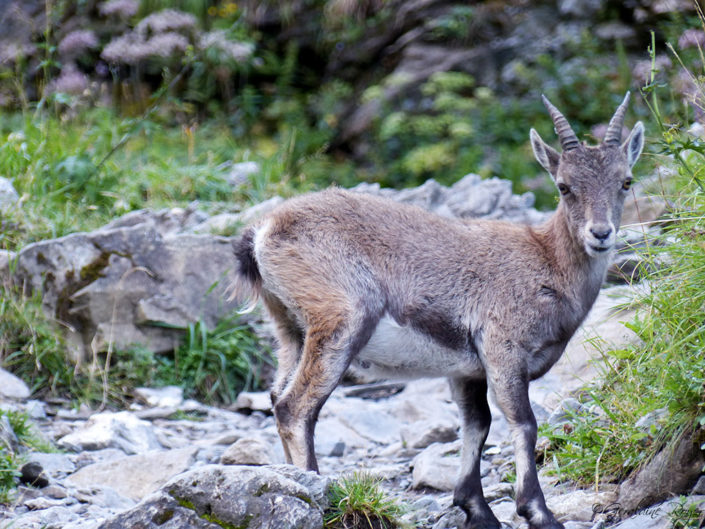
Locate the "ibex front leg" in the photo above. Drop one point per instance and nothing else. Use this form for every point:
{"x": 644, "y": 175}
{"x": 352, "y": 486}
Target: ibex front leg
{"x": 471, "y": 397}
{"x": 511, "y": 387}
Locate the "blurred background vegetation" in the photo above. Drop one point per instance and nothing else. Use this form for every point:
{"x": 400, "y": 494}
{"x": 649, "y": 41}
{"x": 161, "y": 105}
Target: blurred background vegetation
{"x": 117, "y": 105}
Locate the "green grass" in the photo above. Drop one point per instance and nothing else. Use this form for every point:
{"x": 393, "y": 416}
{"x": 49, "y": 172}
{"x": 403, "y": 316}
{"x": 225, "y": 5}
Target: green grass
{"x": 13, "y": 457}
{"x": 357, "y": 501}
{"x": 665, "y": 368}
{"x": 214, "y": 365}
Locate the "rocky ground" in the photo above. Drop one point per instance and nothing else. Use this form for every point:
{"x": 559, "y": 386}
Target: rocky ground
{"x": 112, "y": 467}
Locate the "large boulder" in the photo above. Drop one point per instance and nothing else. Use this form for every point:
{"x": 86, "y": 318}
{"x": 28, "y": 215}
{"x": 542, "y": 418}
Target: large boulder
{"x": 674, "y": 470}
{"x": 213, "y": 496}
{"x": 132, "y": 281}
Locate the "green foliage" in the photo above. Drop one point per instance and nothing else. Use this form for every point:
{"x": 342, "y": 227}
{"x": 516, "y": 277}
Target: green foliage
{"x": 686, "y": 515}
{"x": 30, "y": 344}
{"x": 26, "y": 432}
{"x": 666, "y": 368}
{"x": 216, "y": 364}
{"x": 357, "y": 501}
{"x": 11, "y": 459}
{"x": 9, "y": 472}
{"x": 457, "y": 128}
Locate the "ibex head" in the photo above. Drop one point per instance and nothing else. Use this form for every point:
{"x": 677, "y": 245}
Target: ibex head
{"x": 593, "y": 181}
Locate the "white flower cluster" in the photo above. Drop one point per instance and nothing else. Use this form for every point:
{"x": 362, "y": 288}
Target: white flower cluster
{"x": 237, "y": 51}
{"x": 165, "y": 20}
{"x": 154, "y": 36}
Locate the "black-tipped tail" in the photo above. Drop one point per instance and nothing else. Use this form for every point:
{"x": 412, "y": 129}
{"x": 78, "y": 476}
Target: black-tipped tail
{"x": 249, "y": 280}
{"x": 244, "y": 248}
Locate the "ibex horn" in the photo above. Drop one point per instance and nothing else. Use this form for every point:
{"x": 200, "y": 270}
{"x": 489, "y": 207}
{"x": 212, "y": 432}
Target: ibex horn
{"x": 613, "y": 136}
{"x": 566, "y": 135}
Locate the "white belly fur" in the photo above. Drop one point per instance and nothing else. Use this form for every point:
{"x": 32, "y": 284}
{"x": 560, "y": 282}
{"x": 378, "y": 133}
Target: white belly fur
{"x": 403, "y": 352}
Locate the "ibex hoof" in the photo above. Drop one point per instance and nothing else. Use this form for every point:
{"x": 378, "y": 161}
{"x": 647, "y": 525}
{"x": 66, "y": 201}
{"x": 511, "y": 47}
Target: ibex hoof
{"x": 483, "y": 523}
{"x": 553, "y": 524}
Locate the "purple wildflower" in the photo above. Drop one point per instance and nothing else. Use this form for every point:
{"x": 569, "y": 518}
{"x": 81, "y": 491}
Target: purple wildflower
{"x": 642, "y": 69}
{"x": 71, "y": 81}
{"x": 77, "y": 42}
{"x": 165, "y": 20}
{"x": 692, "y": 38}
{"x": 121, "y": 8}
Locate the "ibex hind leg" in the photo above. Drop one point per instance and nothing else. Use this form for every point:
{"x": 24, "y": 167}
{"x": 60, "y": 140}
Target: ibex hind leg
{"x": 471, "y": 397}
{"x": 329, "y": 345}
{"x": 290, "y": 338}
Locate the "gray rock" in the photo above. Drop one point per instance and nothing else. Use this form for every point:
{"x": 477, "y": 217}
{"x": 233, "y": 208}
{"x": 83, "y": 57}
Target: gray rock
{"x": 12, "y": 387}
{"x": 578, "y": 505}
{"x": 564, "y": 411}
{"x": 254, "y": 401}
{"x": 43, "y": 503}
{"x": 35, "y": 409}
{"x": 8, "y": 196}
{"x": 671, "y": 471}
{"x": 370, "y": 420}
{"x": 119, "y": 430}
{"x": 615, "y": 30}
{"x": 330, "y": 432}
{"x": 112, "y": 285}
{"x": 247, "y": 452}
{"x": 258, "y": 210}
{"x": 452, "y": 519}
{"x": 437, "y": 467}
{"x": 8, "y": 439}
{"x": 221, "y": 224}
{"x": 699, "y": 487}
{"x": 240, "y": 173}
{"x": 424, "y": 433}
{"x": 654, "y": 419}
{"x": 103, "y": 496}
{"x": 256, "y": 497}
{"x": 166, "y": 397}
{"x": 55, "y": 465}
{"x": 469, "y": 197}
{"x": 499, "y": 491}
{"x": 135, "y": 476}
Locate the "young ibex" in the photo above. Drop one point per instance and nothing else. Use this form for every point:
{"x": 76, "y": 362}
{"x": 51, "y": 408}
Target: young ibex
{"x": 399, "y": 292}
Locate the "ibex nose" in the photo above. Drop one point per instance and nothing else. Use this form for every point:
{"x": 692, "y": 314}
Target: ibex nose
{"x": 601, "y": 232}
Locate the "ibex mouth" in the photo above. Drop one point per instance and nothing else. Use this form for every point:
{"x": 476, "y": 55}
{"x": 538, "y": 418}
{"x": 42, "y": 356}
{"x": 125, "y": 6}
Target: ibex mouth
{"x": 595, "y": 250}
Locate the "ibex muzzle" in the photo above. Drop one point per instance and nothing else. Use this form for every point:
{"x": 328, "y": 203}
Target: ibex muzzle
{"x": 399, "y": 292}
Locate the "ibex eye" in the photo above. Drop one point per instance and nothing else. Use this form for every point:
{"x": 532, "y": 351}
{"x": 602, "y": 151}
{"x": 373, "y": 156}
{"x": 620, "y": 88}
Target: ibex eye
{"x": 564, "y": 189}
{"x": 627, "y": 184}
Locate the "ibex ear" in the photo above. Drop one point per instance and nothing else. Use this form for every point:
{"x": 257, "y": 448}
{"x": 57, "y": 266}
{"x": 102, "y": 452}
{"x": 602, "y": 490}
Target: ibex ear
{"x": 634, "y": 144}
{"x": 546, "y": 155}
